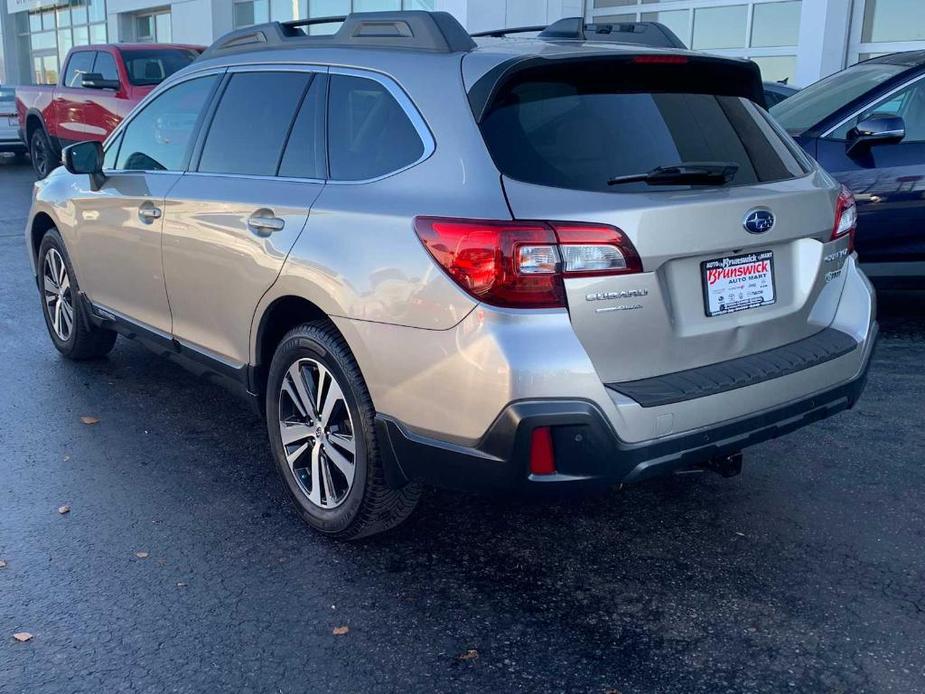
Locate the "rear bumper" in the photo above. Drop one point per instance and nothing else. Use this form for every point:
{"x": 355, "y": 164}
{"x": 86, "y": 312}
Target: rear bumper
{"x": 16, "y": 146}
{"x": 588, "y": 451}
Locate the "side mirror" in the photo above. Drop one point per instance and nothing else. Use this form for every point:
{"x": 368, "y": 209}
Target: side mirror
{"x": 94, "y": 80}
{"x": 876, "y": 130}
{"x": 85, "y": 158}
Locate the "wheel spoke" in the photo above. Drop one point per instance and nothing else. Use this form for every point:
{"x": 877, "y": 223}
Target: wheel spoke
{"x": 329, "y": 494}
{"x": 293, "y": 458}
{"x": 298, "y": 391}
{"x": 295, "y": 432}
{"x": 331, "y": 397}
{"x": 62, "y": 271}
{"x": 340, "y": 460}
{"x": 343, "y": 441}
{"x": 315, "y": 495}
{"x": 65, "y": 283}
{"x": 52, "y": 266}
{"x": 57, "y": 318}
{"x": 67, "y": 315}
{"x": 50, "y": 285}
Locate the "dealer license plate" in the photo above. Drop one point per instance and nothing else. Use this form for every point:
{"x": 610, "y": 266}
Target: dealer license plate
{"x": 738, "y": 283}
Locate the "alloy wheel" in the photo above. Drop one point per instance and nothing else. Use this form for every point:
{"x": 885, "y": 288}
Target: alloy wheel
{"x": 317, "y": 433}
{"x": 40, "y": 156}
{"x": 59, "y": 302}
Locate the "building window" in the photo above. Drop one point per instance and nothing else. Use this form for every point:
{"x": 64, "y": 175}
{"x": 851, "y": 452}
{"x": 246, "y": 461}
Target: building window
{"x": 152, "y": 27}
{"x": 893, "y": 20}
{"x": 679, "y": 21}
{"x": 248, "y": 12}
{"x": 777, "y": 68}
{"x": 47, "y": 36}
{"x": 720, "y": 27}
{"x": 776, "y": 24}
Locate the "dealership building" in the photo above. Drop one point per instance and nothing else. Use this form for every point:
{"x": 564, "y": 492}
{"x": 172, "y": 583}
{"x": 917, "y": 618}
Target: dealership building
{"x": 796, "y": 40}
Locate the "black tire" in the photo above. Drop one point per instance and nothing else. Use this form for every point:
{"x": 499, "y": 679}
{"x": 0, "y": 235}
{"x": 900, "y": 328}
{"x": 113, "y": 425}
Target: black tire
{"x": 42, "y": 154}
{"x": 83, "y": 339}
{"x": 369, "y": 505}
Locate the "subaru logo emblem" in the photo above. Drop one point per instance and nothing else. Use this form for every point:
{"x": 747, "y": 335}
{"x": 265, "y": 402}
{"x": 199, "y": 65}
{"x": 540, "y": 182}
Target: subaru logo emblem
{"x": 758, "y": 221}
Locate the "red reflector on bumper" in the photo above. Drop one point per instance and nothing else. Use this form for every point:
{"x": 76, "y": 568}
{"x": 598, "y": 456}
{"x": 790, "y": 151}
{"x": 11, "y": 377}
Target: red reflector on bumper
{"x": 542, "y": 461}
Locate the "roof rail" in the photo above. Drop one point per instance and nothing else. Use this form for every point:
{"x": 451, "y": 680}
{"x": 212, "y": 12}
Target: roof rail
{"x": 500, "y": 33}
{"x": 575, "y": 29}
{"x": 438, "y": 32}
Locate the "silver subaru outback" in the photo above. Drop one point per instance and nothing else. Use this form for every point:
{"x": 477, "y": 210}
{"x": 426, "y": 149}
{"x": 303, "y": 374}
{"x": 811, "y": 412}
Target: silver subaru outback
{"x": 542, "y": 263}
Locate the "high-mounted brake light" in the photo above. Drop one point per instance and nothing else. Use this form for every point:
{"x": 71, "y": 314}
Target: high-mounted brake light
{"x": 659, "y": 59}
{"x": 523, "y": 264}
{"x": 846, "y": 217}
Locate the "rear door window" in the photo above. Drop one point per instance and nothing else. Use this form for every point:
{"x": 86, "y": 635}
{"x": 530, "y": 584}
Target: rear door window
{"x": 105, "y": 65}
{"x": 579, "y": 134}
{"x": 370, "y": 135}
{"x": 252, "y": 123}
{"x": 305, "y": 151}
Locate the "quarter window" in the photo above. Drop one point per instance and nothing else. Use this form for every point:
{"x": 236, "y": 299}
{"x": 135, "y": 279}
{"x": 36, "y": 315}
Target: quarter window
{"x": 370, "y": 135}
{"x": 79, "y": 64}
{"x": 159, "y": 138}
{"x": 252, "y": 122}
{"x": 111, "y": 153}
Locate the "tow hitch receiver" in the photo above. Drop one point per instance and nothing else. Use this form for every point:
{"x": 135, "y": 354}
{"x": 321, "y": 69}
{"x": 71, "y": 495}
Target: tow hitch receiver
{"x": 727, "y": 466}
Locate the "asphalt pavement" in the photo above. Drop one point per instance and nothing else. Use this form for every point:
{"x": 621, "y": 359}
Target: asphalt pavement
{"x": 181, "y": 566}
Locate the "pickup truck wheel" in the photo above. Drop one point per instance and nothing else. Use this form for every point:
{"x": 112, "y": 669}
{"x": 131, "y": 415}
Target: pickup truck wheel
{"x": 43, "y": 159}
{"x": 320, "y": 422}
{"x": 63, "y": 306}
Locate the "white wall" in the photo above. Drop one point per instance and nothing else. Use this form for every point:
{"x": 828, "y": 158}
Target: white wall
{"x": 191, "y": 21}
{"x": 823, "y": 42}
{"x": 482, "y": 15}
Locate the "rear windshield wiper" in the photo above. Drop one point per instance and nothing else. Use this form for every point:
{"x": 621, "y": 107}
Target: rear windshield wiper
{"x": 695, "y": 173}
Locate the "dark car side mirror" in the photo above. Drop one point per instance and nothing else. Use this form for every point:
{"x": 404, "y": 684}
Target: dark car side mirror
{"x": 94, "y": 80}
{"x": 876, "y": 130}
{"x": 85, "y": 158}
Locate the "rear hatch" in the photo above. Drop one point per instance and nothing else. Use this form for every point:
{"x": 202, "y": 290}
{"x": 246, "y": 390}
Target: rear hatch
{"x": 731, "y": 250}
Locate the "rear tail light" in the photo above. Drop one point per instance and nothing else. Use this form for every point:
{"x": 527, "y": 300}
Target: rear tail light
{"x": 846, "y": 217}
{"x": 523, "y": 264}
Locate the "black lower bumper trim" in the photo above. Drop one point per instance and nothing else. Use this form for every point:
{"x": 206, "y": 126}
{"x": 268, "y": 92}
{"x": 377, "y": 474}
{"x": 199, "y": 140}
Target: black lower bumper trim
{"x": 587, "y": 450}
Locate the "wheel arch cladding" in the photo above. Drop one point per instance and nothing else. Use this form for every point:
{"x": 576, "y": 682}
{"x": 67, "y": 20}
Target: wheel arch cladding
{"x": 281, "y": 316}
{"x": 41, "y": 224}
{"x": 33, "y": 123}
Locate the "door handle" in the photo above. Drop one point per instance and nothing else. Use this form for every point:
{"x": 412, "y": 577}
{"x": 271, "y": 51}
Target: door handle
{"x": 148, "y": 213}
{"x": 264, "y": 223}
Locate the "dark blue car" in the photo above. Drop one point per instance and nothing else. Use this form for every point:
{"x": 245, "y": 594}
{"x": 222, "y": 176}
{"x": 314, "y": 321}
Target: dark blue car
{"x": 866, "y": 126}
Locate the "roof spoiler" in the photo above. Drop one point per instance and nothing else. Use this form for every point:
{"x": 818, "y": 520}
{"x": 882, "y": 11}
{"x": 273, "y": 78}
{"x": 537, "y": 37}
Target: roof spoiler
{"x": 575, "y": 29}
{"x": 438, "y": 32}
{"x": 646, "y": 71}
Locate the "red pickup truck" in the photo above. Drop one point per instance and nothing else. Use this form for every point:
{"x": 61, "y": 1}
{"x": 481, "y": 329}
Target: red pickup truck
{"x": 98, "y": 87}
